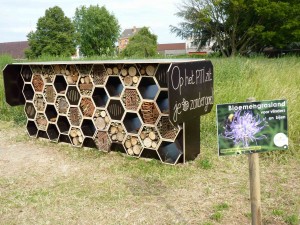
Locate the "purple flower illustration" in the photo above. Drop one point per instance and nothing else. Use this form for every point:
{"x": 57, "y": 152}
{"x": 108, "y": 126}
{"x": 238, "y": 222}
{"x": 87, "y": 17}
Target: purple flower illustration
{"x": 243, "y": 129}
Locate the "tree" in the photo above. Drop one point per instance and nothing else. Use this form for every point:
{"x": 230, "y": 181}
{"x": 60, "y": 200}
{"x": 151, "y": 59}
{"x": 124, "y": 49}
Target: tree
{"x": 142, "y": 44}
{"x": 97, "y": 30}
{"x": 54, "y": 35}
{"x": 239, "y": 26}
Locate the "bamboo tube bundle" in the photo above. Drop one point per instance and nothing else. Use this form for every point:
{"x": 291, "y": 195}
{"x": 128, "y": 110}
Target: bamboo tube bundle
{"x": 72, "y": 75}
{"x": 116, "y": 132}
{"x": 62, "y": 105}
{"x": 76, "y": 136}
{"x": 133, "y": 145}
{"x": 150, "y": 138}
{"x": 149, "y": 112}
{"x": 102, "y": 141}
{"x": 49, "y": 93}
{"x": 166, "y": 129}
{"x": 130, "y": 75}
{"x": 85, "y": 85}
{"x": 38, "y": 83}
{"x": 39, "y": 102}
{"x": 41, "y": 121}
{"x": 99, "y": 74}
{"x": 131, "y": 99}
{"x": 87, "y": 107}
{"x": 101, "y": 119}
{"x": 48, "y": 73}
{"x": 74, "y": 116}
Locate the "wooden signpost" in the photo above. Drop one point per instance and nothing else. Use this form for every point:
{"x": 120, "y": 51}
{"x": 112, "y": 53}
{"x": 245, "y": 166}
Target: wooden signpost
{"x": 252, "y": 127}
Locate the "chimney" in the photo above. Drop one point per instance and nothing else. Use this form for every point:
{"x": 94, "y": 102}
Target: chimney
{"x": 134, "y": 29}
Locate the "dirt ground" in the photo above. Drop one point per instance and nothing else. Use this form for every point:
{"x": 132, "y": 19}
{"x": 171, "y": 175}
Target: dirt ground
{"x": 42, "y": 183}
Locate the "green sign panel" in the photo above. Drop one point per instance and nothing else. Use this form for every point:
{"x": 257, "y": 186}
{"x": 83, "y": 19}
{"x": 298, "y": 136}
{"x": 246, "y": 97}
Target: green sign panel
{"x": 252, "y": 127}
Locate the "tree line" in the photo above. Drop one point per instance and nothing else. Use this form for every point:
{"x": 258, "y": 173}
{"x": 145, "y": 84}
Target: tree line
{"x": 93, "y": 29}
{"x": 230, "y": 27}
{"x": 240, "y": 27}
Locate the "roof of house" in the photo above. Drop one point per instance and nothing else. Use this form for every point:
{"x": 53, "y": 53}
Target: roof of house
{"x": 127, "y": 33}
{"x": 15, "y": 49}
{"x": 171, "y": 46}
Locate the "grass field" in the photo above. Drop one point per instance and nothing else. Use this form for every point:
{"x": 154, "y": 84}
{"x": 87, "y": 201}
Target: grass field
{"x": 80, "y": 186}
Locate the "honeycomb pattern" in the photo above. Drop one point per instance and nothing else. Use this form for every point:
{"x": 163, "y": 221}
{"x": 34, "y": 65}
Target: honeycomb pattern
{"x": 104, "y": 106}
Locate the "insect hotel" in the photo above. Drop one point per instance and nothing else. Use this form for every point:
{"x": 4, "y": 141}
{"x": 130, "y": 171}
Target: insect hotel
{"x": 143, "y": 108}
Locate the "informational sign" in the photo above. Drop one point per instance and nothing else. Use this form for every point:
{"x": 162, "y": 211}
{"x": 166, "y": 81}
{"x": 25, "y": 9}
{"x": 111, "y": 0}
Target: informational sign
{"x": 252, "y": 127}
{"x": 190, "y": 90}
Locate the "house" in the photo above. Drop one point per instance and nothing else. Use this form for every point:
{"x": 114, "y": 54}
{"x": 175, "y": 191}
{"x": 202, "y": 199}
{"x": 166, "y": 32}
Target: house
{"x": 15, "y": 49}
{"x": 172, "y": 49}
{"x": 124, "y": 39}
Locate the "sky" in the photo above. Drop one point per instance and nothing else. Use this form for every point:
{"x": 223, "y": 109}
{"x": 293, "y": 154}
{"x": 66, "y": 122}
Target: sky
{"x": 19, "y": 17}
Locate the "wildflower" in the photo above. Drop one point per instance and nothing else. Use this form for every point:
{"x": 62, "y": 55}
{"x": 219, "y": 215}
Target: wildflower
{"x": 243, "y": 129}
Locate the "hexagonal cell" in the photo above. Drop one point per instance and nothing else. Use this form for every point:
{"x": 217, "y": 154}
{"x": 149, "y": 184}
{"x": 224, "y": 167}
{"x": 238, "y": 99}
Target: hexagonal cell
{"x": 85, "y": 85}
{"x": 100, "y": 97}
{"x": 150, "y": 153}
{"x": 62, "y": 105}
{"x": 116, "y": 132}
{"x": 53, "y": 132}
{"x": 38, "y": 83}
{"x": 115, "y": 109}
{"x": 75, "y": 116}
{"x": 76, "y": 137}
{"x": 63, "y": 124}
{"x": 150, "y": 137}
{"x": 170, "y": 152}
{"x": 36, "y": 69}
{"x": 65, "y": 138}
{"x": 114, "y": 86}
{"x": 101, "y": 119}
{"x": 148, "y": 88}
{"x": 73, "y": 95}
{"x": 28, "y": 92}
{"x": 147, "y": 69}
{"x": 163, "y": 101}
{"x": 71, "y": 73}
{"x": 42, "y": 134}
{"x": 49, "y": 93}
{"x": 113, "y": 69}
{"x": 51, "y": 113}
{"x": 117, "y": 147}
{"x": 133, "y": 145}
{"x": 60, "y": 84}
{"x": 132, "y": 122}
{"x": 84, "y": 69}
{"x": 130, "y": 75}
{"x": 32, "y": 128}
{"x": 39, "y": 102}
{"x": 59, "y": 69}
{"x": 161, "y": 75}
{"x": 87, "y": 107}
{"x": 131, "y": 99}
{"x": 149, "y": 112}
{"x": 99, "y": 74}
{"x": 88, "y": 128}
{"x": 30, "y": 110}
{"x": 166, "y": 129}
{"x": 102, "y": 141}
{"x": 41, "y": 121}
{"x": 26, "y": 73}
{"x": 89, "y": 142}
{"x": 48, "y": 73}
